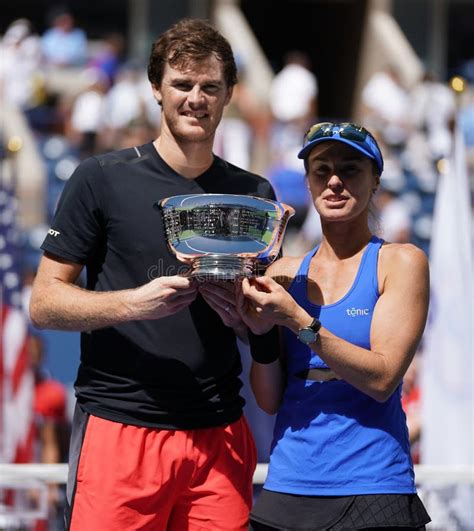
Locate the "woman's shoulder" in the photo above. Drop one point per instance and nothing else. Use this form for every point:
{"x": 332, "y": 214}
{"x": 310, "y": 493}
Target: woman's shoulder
{"x": 284, "y": 270}
{"x": 401, "y": 253}
{"x": 402, "y": 259}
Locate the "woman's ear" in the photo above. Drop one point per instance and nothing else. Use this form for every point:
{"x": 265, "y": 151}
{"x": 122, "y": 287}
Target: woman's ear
{"x": 376, "y": 184}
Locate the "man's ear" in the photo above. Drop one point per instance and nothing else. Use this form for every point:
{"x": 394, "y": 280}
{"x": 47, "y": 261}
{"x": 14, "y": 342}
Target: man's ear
{"x": 156, "y": 93}
{"x": 230, "y": 91}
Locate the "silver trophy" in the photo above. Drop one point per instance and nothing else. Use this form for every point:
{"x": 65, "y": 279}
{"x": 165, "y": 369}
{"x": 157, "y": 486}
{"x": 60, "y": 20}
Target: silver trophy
{"x": 224, "y": 236}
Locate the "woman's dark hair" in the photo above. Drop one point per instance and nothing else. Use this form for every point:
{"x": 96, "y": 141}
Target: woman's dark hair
{"x": 187, "y": 42}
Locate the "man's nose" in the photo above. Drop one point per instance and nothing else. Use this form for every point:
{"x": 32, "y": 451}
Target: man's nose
{"x": 196, "y": 95}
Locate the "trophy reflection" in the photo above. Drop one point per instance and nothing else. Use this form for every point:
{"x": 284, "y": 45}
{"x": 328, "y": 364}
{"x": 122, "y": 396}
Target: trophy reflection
{"x": 224, "y": 236}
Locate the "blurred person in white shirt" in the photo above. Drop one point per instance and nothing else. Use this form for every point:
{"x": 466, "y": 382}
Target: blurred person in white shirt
{"x": 294, "y": 90}
{"x": 293, "y": 102}
{"x": 88, "y": 111}
{"x": 20, "y": 53}
{"x": 433, "y": 108}
{"x": 385, "y": 107}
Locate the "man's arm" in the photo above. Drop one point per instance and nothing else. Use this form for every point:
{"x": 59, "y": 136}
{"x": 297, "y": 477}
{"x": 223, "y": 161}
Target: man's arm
{"x": 57, "y": 303}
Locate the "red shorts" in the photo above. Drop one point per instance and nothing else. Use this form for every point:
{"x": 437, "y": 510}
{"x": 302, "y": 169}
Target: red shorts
{"x": 130, "y": 477}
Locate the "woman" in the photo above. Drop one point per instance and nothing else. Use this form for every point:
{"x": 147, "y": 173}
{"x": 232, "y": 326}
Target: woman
{"x": 353, "y": 311}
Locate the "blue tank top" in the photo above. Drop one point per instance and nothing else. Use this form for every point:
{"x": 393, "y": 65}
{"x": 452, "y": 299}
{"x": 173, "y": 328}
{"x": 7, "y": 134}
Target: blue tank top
{"x": 331, "y": 439}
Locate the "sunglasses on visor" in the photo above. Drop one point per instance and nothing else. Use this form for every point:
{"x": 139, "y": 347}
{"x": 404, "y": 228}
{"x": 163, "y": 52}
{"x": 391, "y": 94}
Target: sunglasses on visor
{"x": 354, "y": 134}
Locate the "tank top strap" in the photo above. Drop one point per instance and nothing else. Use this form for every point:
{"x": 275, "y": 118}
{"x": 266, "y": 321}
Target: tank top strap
{"x": 371, "y": 261}
{"x": 299, "y": 283}
{"x": 368, "y": 267}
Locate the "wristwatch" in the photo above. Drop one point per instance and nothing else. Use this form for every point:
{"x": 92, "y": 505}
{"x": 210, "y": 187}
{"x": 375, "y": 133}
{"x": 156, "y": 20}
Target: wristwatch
{"x": 309, "y": 334}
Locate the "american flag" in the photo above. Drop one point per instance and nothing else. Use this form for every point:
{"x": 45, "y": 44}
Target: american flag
{"x": 16, "y": 378}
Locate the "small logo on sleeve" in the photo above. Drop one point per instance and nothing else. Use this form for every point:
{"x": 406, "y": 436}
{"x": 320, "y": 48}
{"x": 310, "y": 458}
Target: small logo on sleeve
{"x": 357, "y": 312}
{"x": 53, "y": 232}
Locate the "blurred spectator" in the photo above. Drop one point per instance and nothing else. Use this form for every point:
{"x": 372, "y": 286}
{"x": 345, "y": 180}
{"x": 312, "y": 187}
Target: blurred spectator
{"x": 466, "y": 117}
{"x": 293, "y": 102}
{"x": 294, "y": 91}
{"x": 124, "y": 103}
{"x": 432, "y": 111}
{"x": 287, "y": 176}
{"x": 385, "y": 107}
{"x": 136, "y": 133}
{"x": 109, "y": 58}
{"x": 63, "y": 44}
{"x": 87, "y": 112}
{"x": 243, "y": 128}
{"x": 20, "y": 51}
{"x": 50, "y": 407}
{"x": 52, "y": 428}
{"x": 467, "y": 70}
{"x": 394, "y": 216}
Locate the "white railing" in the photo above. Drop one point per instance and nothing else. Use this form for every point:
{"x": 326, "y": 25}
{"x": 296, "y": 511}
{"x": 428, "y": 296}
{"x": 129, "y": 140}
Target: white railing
{"x": 57, "y": 473}
{"x": 447, "y": 493}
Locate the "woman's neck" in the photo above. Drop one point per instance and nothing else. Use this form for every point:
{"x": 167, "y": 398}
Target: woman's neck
{"x": 342, "y": 240}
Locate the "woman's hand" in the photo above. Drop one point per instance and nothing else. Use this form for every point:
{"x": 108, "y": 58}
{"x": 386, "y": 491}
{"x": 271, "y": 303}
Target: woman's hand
{"x": 263, "y": 303}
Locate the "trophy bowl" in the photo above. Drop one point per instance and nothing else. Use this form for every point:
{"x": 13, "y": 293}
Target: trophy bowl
{"x": 224, "y": 236}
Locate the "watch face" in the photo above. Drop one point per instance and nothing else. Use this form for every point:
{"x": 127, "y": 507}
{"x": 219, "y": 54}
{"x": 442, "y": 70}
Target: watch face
{"x": 306, "y": 335}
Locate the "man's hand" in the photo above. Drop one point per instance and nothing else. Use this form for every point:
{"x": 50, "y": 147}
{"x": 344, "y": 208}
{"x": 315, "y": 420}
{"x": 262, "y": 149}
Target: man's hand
{"x": 161, "y": 297}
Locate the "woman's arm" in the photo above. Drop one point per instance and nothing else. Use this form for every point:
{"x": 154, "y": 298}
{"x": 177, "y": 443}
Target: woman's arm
{"x": 397, "y": 324}
{"x": 268, "y": 383}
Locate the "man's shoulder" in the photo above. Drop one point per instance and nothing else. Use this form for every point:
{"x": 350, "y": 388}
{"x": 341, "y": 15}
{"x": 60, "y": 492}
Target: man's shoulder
{"x": 106, "y": 168}
{"x": 122, "y": 156}
{"x": 246, "y": 180}
{"x": 233, "y": 170}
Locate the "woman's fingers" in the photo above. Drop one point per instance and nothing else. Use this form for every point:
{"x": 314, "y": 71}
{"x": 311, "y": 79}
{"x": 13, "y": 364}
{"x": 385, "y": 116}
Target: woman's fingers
{"x": 253, "y": 291}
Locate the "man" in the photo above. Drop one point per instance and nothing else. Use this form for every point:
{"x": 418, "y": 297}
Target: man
{"x": 159, "y": 441}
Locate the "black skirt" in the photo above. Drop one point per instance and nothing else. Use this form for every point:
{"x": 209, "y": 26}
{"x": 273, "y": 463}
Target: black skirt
{"x": 290, "y": 512}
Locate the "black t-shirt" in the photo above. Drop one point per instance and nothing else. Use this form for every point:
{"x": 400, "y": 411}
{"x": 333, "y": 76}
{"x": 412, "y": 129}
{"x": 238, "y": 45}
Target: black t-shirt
{"x": 178, "y": 372}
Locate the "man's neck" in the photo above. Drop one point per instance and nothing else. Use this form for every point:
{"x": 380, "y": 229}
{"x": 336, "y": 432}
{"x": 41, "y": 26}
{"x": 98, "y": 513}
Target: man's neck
{"x": 188, "y": 159}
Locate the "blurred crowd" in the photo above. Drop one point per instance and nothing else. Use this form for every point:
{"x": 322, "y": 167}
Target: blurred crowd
{"x": 81, "y": 97}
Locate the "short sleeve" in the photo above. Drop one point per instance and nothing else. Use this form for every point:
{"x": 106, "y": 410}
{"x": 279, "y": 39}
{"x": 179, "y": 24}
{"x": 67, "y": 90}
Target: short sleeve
{"x": 265, "y": 190}
{"x": 78, "y": 224}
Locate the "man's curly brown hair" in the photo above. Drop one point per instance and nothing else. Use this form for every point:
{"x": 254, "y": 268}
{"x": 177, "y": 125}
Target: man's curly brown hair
{"x": 187, "y": 42}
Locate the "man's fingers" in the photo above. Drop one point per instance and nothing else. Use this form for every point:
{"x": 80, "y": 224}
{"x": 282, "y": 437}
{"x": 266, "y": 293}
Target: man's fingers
{"x": 183, "y": 298}
{"x": 178, "y": 282}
